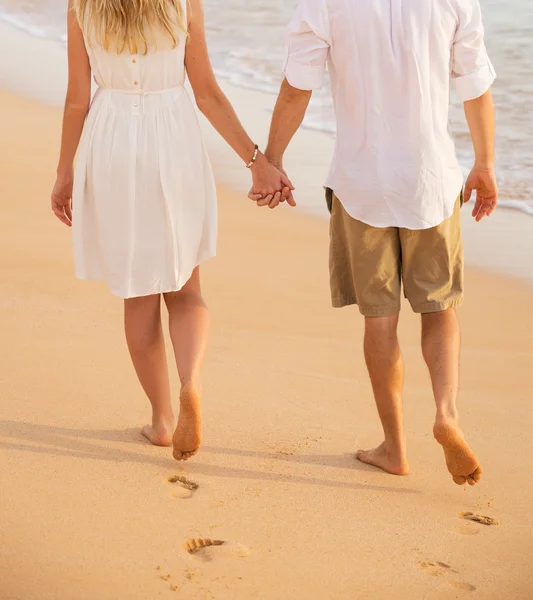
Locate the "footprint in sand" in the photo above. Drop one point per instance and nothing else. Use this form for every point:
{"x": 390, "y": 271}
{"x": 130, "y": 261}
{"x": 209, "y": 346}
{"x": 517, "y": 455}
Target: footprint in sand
{"x": 186, "y": 488}
{"x": 438, "y": 569}
{"x": 204, "y": 548}
{"x": 470, "y": 516}
{"x": 193, "y": 545}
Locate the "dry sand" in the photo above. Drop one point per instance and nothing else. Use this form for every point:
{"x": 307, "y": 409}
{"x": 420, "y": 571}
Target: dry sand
{"x": 86, "y": 511}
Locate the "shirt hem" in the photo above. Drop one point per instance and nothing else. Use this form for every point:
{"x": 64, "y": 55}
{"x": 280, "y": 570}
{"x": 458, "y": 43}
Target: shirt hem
{"x": 448, "y": 208}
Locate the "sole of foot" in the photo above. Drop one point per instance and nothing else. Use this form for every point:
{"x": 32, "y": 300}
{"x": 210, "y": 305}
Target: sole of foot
{"x": 187, "y": 437}
{"x": 460, "y": 460}
{"x": 380, "y": 458}
{"x": 158, "y": 435}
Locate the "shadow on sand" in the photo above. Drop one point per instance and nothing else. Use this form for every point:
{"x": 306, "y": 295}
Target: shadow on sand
{"x": 80, "y": 443}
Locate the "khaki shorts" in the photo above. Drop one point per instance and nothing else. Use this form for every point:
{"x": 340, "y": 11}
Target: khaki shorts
{"x": 368, "y": 264}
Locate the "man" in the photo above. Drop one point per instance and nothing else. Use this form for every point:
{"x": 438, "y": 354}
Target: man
{"x": 395, "y": 186}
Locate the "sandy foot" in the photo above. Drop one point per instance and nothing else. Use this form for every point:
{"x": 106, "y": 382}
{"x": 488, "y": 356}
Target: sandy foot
{"x": 188, "y": 435}
{"x": 460, "y": 460}
{"x": 158, "y": 435}
{"x": 379, "y": 457}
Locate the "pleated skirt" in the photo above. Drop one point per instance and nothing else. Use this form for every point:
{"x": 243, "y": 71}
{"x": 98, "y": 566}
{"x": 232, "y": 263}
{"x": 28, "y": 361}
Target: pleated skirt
{"x": 144, "y": 198}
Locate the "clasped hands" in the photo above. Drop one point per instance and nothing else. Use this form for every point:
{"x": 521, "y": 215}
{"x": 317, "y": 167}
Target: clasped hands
{"x": 271, "y": 186}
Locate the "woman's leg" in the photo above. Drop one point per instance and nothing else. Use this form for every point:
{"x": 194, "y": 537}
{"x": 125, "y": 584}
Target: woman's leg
{"x": 189, "y": 330}
{"x": 144, "y": 334}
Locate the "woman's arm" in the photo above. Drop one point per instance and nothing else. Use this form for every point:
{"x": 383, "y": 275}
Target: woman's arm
{"x": 216, "y": 107}
{"x": 76, "y": 108}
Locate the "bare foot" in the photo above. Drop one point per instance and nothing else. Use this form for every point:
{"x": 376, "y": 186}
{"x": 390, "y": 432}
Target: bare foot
{"x": 460, "y": 460}
{"x": 188, "y": 435}
{"x": 159, "y": 433}
{"x": 379, "y": 457}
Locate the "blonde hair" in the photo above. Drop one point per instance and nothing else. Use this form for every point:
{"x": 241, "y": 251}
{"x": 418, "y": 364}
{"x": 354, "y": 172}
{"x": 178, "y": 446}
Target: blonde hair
{"x": 131, "y": 24}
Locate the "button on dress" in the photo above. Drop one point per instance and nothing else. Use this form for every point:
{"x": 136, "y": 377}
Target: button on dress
{"x": 144, "y": 198}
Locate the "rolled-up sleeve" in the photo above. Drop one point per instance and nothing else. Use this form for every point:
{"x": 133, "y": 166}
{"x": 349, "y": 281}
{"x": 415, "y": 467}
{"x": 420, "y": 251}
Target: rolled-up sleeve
{"x": 308, "y": 44}
{"x": 472, "y": 71}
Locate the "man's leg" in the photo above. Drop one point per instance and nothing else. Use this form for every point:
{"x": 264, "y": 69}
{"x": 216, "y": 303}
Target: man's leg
{"x": 433, "y": 281}
{"x": 365, "y": 269}
{"x": 441, "y": 345}
{"x": 385, "y": 367}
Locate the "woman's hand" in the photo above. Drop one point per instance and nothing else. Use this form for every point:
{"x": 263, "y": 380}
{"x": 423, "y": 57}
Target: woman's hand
{"x": 270, "y": 184}
{"x": 62, "y": 199}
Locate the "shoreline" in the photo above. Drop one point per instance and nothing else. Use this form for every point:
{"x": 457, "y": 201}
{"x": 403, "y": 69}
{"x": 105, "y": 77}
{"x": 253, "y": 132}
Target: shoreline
{"x": 502, "y": 244}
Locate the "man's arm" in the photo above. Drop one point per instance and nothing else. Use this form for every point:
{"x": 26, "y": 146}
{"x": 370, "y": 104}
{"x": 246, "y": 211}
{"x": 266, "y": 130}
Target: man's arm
{"x": 288, "y": 115}
{"x": 481, "y": 122}
{"x": 308, "y": 45}
{"x": 474, "y": 74}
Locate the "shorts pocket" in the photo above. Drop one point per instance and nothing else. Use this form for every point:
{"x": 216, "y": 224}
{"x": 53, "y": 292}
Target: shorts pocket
{"x": 329, "y": 199}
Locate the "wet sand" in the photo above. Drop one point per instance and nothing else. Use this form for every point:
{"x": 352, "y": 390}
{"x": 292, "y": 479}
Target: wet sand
{"x": 86, "y": 508}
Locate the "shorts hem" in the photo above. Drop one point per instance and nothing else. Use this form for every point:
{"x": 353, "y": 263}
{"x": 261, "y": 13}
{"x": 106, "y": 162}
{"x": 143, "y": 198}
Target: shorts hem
{"x": 433, "y": 307}
{"x": 366, "y": 311}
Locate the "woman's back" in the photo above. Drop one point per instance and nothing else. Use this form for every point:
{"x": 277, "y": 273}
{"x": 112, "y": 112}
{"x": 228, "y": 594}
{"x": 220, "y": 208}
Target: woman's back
{"x": 161, "y": 66}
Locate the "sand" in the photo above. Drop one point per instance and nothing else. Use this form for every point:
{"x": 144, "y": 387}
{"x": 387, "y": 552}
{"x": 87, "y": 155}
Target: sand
{"x": 86, "y": 508}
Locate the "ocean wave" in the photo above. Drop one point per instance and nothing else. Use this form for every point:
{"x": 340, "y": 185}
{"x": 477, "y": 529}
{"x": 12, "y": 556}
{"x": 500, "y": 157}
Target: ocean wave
{"x": 22, "y": 22}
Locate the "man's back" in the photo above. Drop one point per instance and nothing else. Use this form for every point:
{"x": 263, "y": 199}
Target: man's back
{"x": 390, "y": 63}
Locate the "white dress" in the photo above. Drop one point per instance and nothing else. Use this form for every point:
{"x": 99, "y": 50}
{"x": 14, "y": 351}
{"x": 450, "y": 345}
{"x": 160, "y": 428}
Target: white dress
{"x": 144, "y": 198}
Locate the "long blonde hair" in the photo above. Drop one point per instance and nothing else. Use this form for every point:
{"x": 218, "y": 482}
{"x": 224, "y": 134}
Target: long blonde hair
{"x": 131, "y": 24}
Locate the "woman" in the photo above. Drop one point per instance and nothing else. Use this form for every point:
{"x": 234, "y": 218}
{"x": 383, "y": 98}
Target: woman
{"x": 142, "y": 198}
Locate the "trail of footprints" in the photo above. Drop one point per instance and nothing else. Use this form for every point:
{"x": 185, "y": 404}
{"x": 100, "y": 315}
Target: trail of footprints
{"x": 438, "y": 569}
{"x": 435, "y": 569}
{"x": 185, "y": 488}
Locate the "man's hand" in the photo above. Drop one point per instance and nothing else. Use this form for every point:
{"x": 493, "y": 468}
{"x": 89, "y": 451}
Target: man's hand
{"x": 484, "y": 182}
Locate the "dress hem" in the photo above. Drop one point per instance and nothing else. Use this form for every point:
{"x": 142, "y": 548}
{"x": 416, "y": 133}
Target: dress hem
{"x": 162, "y": 290}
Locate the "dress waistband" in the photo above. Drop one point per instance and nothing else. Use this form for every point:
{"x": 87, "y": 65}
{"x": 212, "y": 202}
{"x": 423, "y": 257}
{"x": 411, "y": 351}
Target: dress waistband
{"x": 140, "y": 92}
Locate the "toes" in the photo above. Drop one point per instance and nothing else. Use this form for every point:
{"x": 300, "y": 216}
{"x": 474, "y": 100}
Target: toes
{"x": 459, "y": 479}
{"x": 475, "y": 477}
{"x": 184, "y": 455}
{"x": 189, "y": 454}
{"x": 362, "y": 457}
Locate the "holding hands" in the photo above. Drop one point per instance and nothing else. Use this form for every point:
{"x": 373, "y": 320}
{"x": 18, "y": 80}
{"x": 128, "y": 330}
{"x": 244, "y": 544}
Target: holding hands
{"x": 270, "y": 186}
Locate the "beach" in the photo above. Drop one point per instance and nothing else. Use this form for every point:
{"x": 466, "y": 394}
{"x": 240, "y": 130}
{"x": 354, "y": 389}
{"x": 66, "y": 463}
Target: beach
{"x": 86, "y": 506}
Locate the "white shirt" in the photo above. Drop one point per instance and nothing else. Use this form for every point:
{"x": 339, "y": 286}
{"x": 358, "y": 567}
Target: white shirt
{"x": 390, "y": 64}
